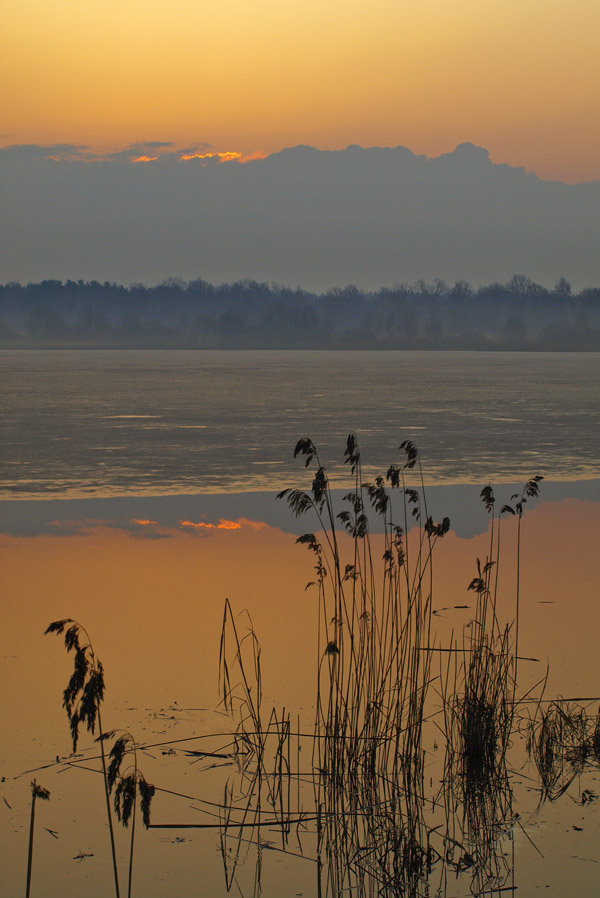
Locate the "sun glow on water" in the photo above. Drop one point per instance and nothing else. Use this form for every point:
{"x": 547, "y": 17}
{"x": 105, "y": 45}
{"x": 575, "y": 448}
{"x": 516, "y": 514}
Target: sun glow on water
{"x": 222, "y": 525}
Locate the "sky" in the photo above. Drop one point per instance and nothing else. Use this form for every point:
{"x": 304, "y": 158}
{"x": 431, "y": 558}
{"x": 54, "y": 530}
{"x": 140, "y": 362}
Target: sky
{"x": 518, "y": 77}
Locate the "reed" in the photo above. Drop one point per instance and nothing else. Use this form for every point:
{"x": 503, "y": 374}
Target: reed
{"x": 562, "y": 741}
{"x": 374, "y": 665}
{"x": 262, "y": 751}
{"x": 37, "y": 791}
{"x": 481, "y": 703}
{"x": 240, "y": 682}
{"x": 374, "y": 617}
{"x": 374, "y": 676}
{"x": 129, "y": 783}
{"x": 479, "y": 687}
{"x": 82, "y": 698}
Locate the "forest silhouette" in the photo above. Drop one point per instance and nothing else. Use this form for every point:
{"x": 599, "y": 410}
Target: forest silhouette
{"x": 517, "y": 315}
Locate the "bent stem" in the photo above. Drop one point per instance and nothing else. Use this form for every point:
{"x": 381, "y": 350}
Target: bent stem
{"x": 81, "y": 700}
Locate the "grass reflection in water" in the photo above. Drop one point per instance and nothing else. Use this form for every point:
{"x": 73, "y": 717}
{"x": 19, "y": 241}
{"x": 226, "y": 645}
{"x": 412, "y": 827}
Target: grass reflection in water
{"x": 365, "y": 793}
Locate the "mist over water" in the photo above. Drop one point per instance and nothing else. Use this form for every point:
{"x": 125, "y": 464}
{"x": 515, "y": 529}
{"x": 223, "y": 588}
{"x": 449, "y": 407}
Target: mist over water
{"x": 106, "y": 423}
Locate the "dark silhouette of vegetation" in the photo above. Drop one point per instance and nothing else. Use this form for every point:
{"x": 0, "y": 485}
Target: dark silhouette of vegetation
{"x": 129, "y": 784}
{"x": 373, "y": 689}
{"x": 562, "y": 741}
{"x": 375, "y": 826}
{"x": 37, "y": 791}
{"x": 517, "y": 315}
{"x": 82, "y": 699}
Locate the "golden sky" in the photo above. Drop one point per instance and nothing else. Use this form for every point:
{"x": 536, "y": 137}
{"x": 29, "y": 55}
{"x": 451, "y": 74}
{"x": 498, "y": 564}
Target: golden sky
{"x": 521, "y": 78}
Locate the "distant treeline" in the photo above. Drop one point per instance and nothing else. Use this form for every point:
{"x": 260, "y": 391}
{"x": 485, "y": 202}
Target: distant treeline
{"x": 519, "y": 314}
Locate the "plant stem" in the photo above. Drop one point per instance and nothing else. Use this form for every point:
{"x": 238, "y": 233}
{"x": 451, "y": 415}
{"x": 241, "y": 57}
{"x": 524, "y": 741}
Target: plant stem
{"x": 131, "y": 850}
{"x": 132, "y": 826}
{"x": 107, "y": 794}
{"x": 30, "y": 854}
{"x": 517, "y": 601}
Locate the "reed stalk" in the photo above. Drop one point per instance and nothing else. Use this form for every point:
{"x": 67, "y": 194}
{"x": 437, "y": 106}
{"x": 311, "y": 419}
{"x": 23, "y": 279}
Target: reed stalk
{"x": 82, "y": 699}
{"x": 37, "y": 791}
{"x": 374, "y": 663}
{"x": 129, "y": 783}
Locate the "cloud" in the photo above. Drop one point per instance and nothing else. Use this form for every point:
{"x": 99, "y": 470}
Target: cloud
{"x": 78, "y": 527}
{"x": 146, "y": 528}
{"x": 222, "y": 156}
{"x": 225, "y": 156}
{"x": 224, "y": 524}
{"x": 201, "y": 525}
{"x": 25, "y": 152}
{"x": 89, "y": 526}
{"x": 143, "y": 151}
{"x": 372, "y": 217}
{"x": 142, "y": 516}
{"x": 255, "y": 156}
{"x": 152, "y": 149}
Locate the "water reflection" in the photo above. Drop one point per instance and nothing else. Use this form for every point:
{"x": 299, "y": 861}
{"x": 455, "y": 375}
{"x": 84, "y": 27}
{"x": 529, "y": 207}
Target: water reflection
{"x": 411, "y": 828}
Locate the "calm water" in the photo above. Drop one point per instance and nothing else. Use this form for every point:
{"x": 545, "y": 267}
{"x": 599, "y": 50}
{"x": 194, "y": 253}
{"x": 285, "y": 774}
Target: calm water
{"x": 88, "y": 426}
{"x": 116, "y": 423}
{"x": 154, "y": 608}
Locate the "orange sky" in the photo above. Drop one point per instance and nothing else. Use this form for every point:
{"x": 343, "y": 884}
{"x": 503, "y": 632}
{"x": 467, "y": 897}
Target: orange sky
{"x": 518, "y": 77}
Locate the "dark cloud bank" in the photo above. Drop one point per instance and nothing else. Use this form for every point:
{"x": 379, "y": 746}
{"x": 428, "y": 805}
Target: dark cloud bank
{"x": 370, "y": 217}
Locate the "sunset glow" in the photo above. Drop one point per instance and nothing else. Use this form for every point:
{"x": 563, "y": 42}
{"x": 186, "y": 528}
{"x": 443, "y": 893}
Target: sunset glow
{"x": 222, "y": 525}
{"x": 229, "y": 230}
{"x": 518, "y": 79}
{"x": 225, "y": 156}
{"x": 222, "y": 157}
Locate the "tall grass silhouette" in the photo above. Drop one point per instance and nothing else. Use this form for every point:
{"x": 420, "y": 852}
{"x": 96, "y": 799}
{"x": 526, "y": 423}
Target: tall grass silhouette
{"x": 375, "y": 657}
{"x": 380, "y": 680}
{"x": 129, "y": 784}
{"x": 374, "y": 618}
{"x": 481, "y": 706}
{"x": 82, "y": 699}
{"x": 261, "y": 749}
{"x": 375, "y": 672}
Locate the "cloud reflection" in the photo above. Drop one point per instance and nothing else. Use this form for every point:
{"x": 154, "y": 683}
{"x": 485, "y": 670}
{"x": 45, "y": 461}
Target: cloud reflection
{"x": 222, "y": 525}
{"x": 147, "y": 528}
{"x": 153, "y": 516}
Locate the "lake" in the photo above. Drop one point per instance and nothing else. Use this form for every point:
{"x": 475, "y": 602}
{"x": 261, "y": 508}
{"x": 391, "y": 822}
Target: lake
{"x": 138, "y": 494}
